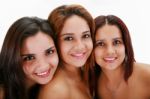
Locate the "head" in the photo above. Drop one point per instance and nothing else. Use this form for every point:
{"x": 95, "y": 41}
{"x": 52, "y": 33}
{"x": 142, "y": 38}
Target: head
{"x": 74, "y": 28}
{"x": 28, "y": 53}
{"x": 117, "y": 45}
{"x": 66, "y": 22}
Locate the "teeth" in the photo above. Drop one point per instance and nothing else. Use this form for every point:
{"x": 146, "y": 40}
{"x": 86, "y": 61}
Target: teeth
{"x": 110, "y": 59}
{"x": 43, "y": 73}
{"x": 78, "y": 55}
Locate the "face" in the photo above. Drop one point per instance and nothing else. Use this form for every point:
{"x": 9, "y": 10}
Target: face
{"x": 110, "y": 49}
{"x": 75, "y": 42}
{"x": 40, "y": 58}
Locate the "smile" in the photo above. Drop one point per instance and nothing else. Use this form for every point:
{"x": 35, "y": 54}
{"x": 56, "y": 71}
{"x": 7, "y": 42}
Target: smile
{"x": 44, "y": 74}
{"x": 110, "y": 59}
{"x": 78, "y": 55}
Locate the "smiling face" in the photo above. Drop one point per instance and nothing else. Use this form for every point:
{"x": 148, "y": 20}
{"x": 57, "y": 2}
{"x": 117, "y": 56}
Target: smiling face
{"x": 40, "y": 58}
{"x": 110, "y": 49}
{"x": 75, "y": 42}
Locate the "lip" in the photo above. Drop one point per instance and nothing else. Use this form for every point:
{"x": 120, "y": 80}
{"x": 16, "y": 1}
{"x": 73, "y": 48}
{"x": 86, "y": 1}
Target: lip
{"x": 78, "y": 55}
{"x": 110, "y": 59}
{"x": 44, "y": 73}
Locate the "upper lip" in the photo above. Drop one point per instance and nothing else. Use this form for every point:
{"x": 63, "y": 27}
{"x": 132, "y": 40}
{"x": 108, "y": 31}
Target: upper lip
{"x": 78, "y": 54}
{"x": 109, "y": 58}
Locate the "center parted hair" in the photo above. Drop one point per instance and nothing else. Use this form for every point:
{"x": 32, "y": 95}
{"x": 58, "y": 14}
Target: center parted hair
{"x": 100, "y": 21}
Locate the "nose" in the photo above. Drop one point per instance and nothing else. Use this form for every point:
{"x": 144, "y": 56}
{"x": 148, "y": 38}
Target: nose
{"x": 43, "y": 63}
{"x": 79, "y": 45}
{"x": 110, "y": 49}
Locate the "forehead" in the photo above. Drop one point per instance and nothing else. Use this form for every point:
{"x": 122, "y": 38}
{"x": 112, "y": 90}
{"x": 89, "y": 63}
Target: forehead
{"x": 108, "y": 31}
{"x": 75, "y": 24}
{"x": 37, "y": 43}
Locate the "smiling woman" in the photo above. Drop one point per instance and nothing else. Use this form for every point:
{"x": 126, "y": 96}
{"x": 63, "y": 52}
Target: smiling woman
{"x": 74, "y": 27}
{"x": 28, "y": 57}
{"x": 118, "y": 75}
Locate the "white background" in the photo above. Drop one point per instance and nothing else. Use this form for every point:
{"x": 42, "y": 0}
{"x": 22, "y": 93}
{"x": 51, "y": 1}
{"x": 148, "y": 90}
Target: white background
{"x": 135, "y": 13}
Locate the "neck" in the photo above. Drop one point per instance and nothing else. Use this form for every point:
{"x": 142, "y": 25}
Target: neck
{"x": 73, "y": 73}
{"x": 113, "y": 76}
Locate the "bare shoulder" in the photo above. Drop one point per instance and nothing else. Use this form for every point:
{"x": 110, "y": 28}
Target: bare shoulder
{"x": 143, "y": 78}
{"x": 143, "y": 71}
{"x": 55, "y": 89}
{"x": 145, "y": 68}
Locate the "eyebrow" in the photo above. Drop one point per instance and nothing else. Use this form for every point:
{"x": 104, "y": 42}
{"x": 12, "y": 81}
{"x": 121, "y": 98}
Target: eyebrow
{"x": 27, "y": 55}
{"x": 117, "y": 38}
{"x": 113, "y": 39}
{"x": 50, "y": 48}
{"x": 99, "y": 41}
{"x": 88, "y": 31}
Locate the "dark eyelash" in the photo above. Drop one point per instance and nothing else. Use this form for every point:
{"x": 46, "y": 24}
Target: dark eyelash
{"x": 69, "y": 38}
{"x": 28, "y": 58}
{"x": 87, "y": 35}
{"x": 50, "y": 51}
{"x": 117, "y": 42}
{"x": 99, "y": 44}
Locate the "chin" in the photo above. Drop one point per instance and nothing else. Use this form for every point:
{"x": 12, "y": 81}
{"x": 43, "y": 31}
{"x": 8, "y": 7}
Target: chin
{"x": 80, "y": 65}
{"x": 44, "y": 82}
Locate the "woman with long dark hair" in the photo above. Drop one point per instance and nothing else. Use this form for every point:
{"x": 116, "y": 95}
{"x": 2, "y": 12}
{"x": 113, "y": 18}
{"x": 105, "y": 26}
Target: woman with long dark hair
{"x": 118, "y": 75}
{"x": 28, "y": 57}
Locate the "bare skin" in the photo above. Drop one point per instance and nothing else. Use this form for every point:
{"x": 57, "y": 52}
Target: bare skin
{"x": 114, "y": 87}
{"x": 75, "y": 48}
{"x": 72, "y": 85}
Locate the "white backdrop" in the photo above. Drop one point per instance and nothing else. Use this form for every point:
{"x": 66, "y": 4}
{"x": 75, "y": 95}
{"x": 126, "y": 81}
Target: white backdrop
{"x": 135, "y": 13}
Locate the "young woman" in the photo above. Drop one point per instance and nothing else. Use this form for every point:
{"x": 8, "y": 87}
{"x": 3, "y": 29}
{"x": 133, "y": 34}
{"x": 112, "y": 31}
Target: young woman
{"x": 28, "y": 57}
{"x": 118, "y": 75}
{"x": 74, "y": 28}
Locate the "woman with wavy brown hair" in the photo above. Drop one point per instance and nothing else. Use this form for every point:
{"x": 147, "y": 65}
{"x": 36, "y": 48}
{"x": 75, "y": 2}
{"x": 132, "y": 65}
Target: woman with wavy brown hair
{"x": 74, "y": 28}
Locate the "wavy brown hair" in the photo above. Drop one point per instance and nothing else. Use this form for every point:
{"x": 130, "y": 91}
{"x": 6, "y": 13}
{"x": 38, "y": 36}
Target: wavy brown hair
{"x": 57, "y": 19}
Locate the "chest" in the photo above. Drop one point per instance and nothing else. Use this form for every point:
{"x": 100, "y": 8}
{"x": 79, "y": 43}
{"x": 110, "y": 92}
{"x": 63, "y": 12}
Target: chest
{"x": 79, "y": 92}
{"x": 134, "y": 90}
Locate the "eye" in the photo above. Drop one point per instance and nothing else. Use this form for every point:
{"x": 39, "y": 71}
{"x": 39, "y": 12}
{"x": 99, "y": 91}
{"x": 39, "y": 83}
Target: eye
{"x": 28, "y": 58}
{"x": 100, "y": 44}
{"x": 50, "y": 51}
{"x": 69, "y": 38}
{"x": 117, "y": 42}
{"x": 86, "y": 35}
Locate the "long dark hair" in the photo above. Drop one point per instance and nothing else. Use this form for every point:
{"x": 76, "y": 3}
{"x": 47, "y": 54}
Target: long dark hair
{"x": 57, "y": 19}
{"x": 10, "y": 58}
{"x": 129, "y": 58}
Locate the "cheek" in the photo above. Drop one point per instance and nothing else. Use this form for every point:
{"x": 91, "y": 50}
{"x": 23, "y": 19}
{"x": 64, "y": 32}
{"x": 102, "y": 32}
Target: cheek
{"x": 27, "y": 69}
{"x": 54, "y": 60}
{"x": 122, "y": 51}
{"x": 64, "y": 48}
{"x": 90, "y": 44}
{"x": 97, "y": 52}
